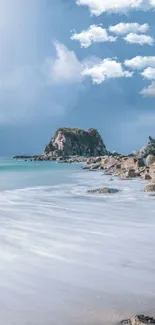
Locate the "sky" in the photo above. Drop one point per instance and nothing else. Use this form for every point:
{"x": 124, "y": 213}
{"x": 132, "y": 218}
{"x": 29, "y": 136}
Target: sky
{"x": 76, "y": 63}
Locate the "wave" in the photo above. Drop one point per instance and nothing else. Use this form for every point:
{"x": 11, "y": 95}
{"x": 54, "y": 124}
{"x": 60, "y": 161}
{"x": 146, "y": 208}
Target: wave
{"x": 66, "y": 255}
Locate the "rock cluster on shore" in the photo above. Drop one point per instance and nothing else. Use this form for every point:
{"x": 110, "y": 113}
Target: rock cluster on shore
{"x": 138, "y": 320}
{"x": 125, "y": 167}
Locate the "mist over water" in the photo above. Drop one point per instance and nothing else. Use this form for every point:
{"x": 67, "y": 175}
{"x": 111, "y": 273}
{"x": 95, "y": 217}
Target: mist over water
{"x": 67, "y": 257}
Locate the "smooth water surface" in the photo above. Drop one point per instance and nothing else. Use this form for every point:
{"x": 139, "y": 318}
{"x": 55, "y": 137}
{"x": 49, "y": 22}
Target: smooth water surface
{"x": 67, "y": 257}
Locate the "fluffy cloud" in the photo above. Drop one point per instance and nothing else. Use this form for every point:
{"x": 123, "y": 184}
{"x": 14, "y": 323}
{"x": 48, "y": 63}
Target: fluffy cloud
{"x": 126, "y": 28}
{"x": 149, "y": 91}
{"x": 140, "y": 62}
{"x": 149, "y": 73}
{"x": 93, "y": 34}
{"x": 65, "y": 68}
{"x": 106, "y": 69}
{"x": 133, "y": 38}
{"x": 97, "y": 7}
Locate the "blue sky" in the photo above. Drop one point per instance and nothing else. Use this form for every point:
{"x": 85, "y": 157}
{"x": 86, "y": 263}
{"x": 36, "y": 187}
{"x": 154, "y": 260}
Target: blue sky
{"x": 49, "y": 78}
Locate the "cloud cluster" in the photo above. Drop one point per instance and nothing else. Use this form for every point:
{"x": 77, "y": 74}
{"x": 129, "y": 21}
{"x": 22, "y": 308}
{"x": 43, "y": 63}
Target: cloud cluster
{"x": 126, "y": 28}
{"x": 140, "y": 62}
{"x": 99, "y": 34}
{"x": 142, "y": 39}
{"x": 132, "y": 33}
{"x": 147, "y": 64}
{"x": 106, "y": 69}
{"x": 97, "y": 7}
{"x": 93, "y": 34}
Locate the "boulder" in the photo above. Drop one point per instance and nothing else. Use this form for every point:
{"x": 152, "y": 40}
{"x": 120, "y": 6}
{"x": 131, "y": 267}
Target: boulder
{"x": 108, "y": 162}
{"x": 129, "y": 174}
{"x": 149, "y": 188}
{"x": 150, "y": 160}
{"x": 132, "y": 162}
{"x": 104, "y": 191}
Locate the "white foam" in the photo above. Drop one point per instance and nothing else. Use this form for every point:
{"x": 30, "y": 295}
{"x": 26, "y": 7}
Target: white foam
{"x": 60, "y": 248}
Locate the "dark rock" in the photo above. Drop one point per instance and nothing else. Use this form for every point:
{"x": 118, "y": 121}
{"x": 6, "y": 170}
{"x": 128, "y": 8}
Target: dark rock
{"x": 104, "y": 191}
{"x": 23, "y": 157}
{"x": 73, "y": 141}
{"x": 130, "y": 174}
{"x": 146, "y": 177}
{"x": 140, "y": 162}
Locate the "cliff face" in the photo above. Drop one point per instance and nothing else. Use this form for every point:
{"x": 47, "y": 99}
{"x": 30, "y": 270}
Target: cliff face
{"x": 149, "y": 149}
{"x": 72, "y": 142}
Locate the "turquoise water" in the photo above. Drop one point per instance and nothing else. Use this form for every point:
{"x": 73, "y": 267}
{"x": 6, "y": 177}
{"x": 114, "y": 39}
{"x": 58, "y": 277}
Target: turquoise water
{"x": 19, "y": 174}
{"x": 67, "y": 257}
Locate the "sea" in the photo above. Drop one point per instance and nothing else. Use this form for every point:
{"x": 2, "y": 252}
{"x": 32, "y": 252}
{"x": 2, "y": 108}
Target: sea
{"x": 68, "y": 257}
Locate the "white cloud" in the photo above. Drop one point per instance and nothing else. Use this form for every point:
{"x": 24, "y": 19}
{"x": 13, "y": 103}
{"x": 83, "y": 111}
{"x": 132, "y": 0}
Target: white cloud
{"x": 133, "y": 38}
{"x": 93, "y": 34}
{"x": 65, "y": 68}
{"x": 149, "y": 73}
{"x": 140, "y": 62}
{"x": 104, "y": 70}
{"x": 97, "y": 7}
{"x": 149, "y": 91}
{"x": 125, "y": 28}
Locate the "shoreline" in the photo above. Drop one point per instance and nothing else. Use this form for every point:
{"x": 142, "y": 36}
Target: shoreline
{"x": 126, "y": 167}
{"x": 105, "y": 248}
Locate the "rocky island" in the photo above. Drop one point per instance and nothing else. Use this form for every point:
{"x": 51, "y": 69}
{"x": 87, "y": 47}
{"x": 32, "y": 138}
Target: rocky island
{"x": 75, "y": 142}
{"x": 72, "y": 144}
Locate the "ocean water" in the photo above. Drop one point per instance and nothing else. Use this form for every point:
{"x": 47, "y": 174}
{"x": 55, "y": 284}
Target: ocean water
{"x": 67, "y": 257}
